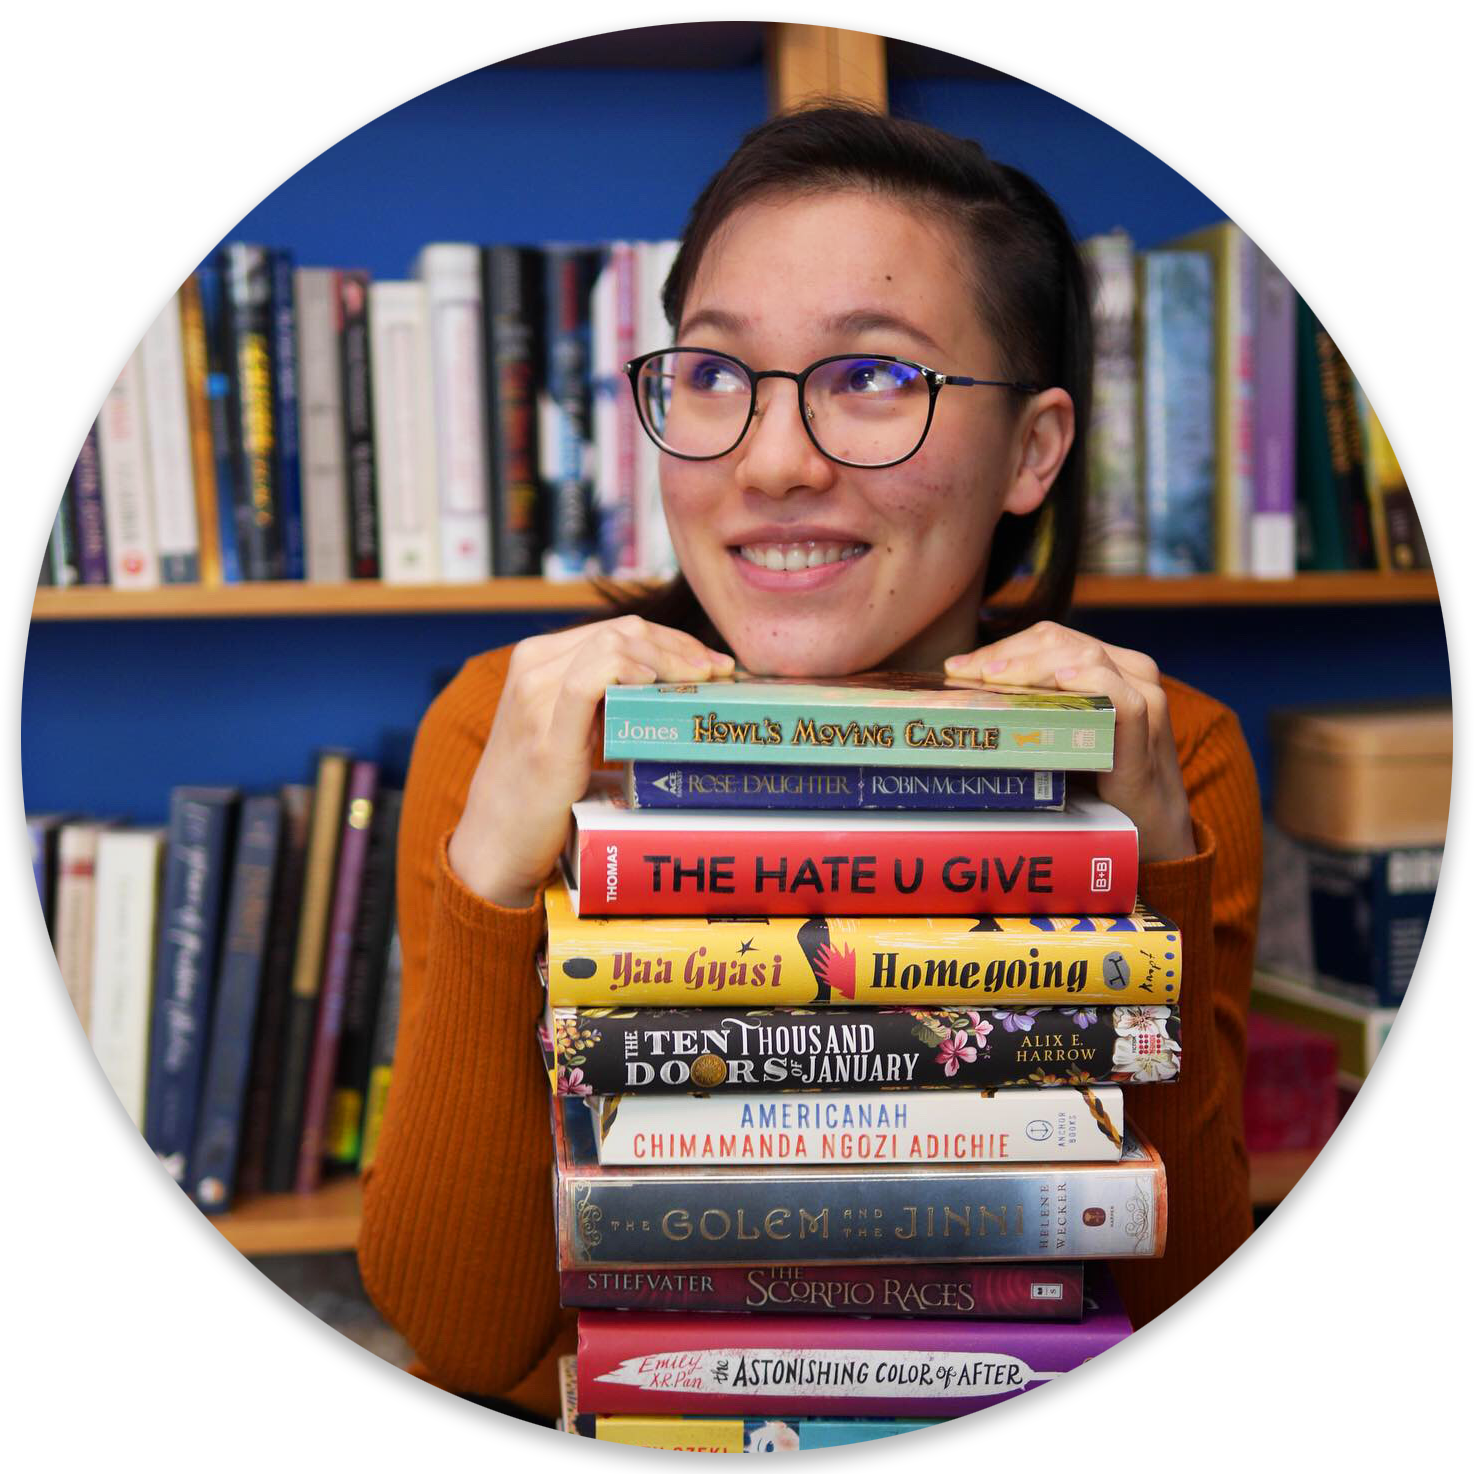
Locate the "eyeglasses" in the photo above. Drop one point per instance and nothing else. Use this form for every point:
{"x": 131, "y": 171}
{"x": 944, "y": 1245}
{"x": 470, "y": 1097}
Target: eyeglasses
{"x": 868, "y": 410}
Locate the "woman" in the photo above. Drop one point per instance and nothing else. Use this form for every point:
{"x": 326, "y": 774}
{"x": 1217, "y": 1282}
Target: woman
{"x": 863, "y": 527}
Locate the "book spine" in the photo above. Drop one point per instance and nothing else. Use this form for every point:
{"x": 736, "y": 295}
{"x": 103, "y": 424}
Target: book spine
{"x": 276, "y": 985}
{"x": 565, "y": 423}
{"x": 76, "y": 901}
{"x": 735, "y": 1435}
{"x": 127, "y": 498}
{"x": 356, "y": 368}
{"x": 62, "y": 553}
{"x": 365, "y": 984}
{"x": 1318, "y": 503}
{"x": 1233, "y": 520}
{"x": 514, "y": 357}
{"x": 286, "y": 394}
{"x": 201, "y": 446}
{"x": 1271, "y": 550}
{"x": 247, "y": 272}
{"x": 75, "y": 369}
{"x": 451, "y": 274}
{"x": 184, "y": 973}
{"x": 1045, "y": 1292}
{"x": 404, "y": 432}
{"x": 171, "y": 455}
{"x": 212, "y": 1168}
{"x": 128, "y": 865}
{"x": 1114, "y": 526}
{"x": 224, "y": 421}
{"x": 668, "y": 724}
{"x": 1080, "y": 1124}
{"x": 320, "y": 381}
{"x": 613, "y": 307}
{"x": 651, "y": 785}
{"x": 657, "y": 557}
{"x": 1346, "y": 454}
{"x": 300, "y": 1021}
{"x": 358, "y": 820}
{"x": 381, "y": 1070}
{"x": 1177, "y": 411}
{"x": 633, "y": 1362}
{"x": 1400, "y": 542}
{"x": 675, "y": 1050}
{"x": 900, "y": 872}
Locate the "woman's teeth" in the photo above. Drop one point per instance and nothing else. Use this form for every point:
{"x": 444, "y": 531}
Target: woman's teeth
{"x": 794, "y": 557}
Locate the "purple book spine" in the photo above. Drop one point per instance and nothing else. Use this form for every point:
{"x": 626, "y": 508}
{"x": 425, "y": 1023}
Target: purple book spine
{"x": 655, "y": 785}
{"x": 941, "y": 1291}
{"x": 86, "y": 485}
{"x": 1272, "y": 519}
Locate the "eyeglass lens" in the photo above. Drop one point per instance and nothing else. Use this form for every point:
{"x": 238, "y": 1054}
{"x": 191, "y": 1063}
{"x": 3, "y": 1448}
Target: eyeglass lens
{"x": 862, "y": 410}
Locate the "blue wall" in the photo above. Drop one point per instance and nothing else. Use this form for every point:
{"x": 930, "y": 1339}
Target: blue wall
{"x": 115, "y": 712}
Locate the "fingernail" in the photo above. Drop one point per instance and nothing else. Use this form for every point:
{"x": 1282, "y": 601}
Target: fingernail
{"x": 722, "y": 662}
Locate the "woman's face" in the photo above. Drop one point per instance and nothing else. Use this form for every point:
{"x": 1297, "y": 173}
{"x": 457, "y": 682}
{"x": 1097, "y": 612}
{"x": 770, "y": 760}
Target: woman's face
{"x": 785, "y": 283}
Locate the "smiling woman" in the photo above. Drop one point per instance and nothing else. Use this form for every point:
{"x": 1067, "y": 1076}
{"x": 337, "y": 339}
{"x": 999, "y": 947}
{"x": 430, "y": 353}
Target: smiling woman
{"x": 878, "y": 378}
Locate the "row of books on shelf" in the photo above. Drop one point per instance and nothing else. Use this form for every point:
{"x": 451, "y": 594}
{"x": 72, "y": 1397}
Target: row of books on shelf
{"x": 237, "y": 973}
{"x": 1229, "y": 434}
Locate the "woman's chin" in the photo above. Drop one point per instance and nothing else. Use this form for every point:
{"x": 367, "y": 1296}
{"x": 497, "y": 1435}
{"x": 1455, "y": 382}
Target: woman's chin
{"x": 788, "y": 654}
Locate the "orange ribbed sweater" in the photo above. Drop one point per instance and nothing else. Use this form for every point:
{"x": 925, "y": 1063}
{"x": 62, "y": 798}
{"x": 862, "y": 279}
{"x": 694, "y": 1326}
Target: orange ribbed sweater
{"x": 457, "y": 1245}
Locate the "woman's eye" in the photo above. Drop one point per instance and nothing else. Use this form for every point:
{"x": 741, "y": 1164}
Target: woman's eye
{"x": 713, "y": 376}
{"x": 871, "y": 377}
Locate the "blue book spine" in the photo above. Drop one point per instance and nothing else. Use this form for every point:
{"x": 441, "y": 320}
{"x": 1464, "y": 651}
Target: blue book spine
{"x": 91, "y": 529}
{"x": 200, "y": 822}
{"x": 222, "y": 419}
{"x": 650, "y": 785}
{"x": 212, "y": 1164}
{"x": 288, "y": 443}
{"x": 567, "y": 446}
{"x": 1179, "y": 455}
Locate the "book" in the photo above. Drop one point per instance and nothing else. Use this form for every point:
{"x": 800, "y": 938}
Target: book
{"x": 63, "y": 567}
{"x": 1321, "y": 457}
{"x": 127, "y": 492}
{"x": 1270, "y": 549}
{"x": 644, "y": 1362}
{"x": 1177, "y": 442}
{"x": 405, "y": 461}
{"x": 512, "y": 290}
{"x": 1115, "y": 534}
{"x": 285, "y": 405}
{"x": 320, "y": 407}
{"x": 128, "y": 868}
{"x": 381, "y": 1067}
{"x": 42, "y": 832}
{"x": 927, "y": 960}
{"x": 212, "y": 1163}
{"x": 170, "y": 452}
{"x": 613, "y": 311}
{"x": 75, "y": 910}
{"x": 1291, "y": 1101}
{"x": 656, "y": 555}
{"x": 196, "y": 862}
{"x": 452, "y": 277}
{"x": 224, "y": 421}
{"x": 1359, "y": 1030}
{"x": 644, "y": 1217}
{"x": 912, "y": 719}
{"x": 658, "y": 1051}
{"x": 1397, "y": 533}
{"x": 356, "y": 367}
{"x": 87, "y": 501}
{"x": 715, "y": 862}
{"x": 735, "y": 785}
{"x": 1047, "y": 1291}
{"x": 201, "y": 447}
{"x": 358, "y": 818}
{"x": 1068, "y": 1124}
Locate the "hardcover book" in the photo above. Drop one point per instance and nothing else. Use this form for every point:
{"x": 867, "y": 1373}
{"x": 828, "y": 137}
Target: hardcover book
{"x": 286, "y": 396}
{"x": 903, "y": 719}
{"x": 714, "y": 862}
{"x": 654, "y": 1051}
{"x": 880, "y": 960}
{"x": 381, "y": 1068}
{"x": 75, "y": 901}
{"x": 86, "y": 487}
{"x": 171, "y": 459}
{"x": 357, "y": 376}
{"x": 126, "y": 480}
{"x": 324, "y": 469}
{"x": 956, "y": 1212}
{"x": 637, "y": 1362}
{"x": 1048, "y": 1291}
{"x": 1080, "y": 1124}
{"x": 1360, "y": 1031}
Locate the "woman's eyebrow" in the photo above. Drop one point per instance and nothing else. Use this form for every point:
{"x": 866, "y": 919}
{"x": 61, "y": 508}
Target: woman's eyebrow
{"x": 864, "y": 320}
{"x": 714, "y": 317}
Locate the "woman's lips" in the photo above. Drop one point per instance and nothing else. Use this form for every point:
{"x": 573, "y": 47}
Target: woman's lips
{"x": 796, "y": 566}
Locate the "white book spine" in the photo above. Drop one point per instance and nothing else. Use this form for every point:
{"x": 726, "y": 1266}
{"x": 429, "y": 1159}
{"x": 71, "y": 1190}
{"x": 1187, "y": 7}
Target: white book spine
{"x": 127, "y": 495}
{"x": 76, "y": 892}
{"x": 127, "y": 903}
{"x": 1271, "y": 550}
{"x": 615, "y": 427}
{"x": 171, "y": 462}
{"x": 886, "y": 1127}
{"x": 655, "y": 553}
{"x": 452, "y": 277}
{"x": 320, "y": 417}
{"x": 404, "y": 432}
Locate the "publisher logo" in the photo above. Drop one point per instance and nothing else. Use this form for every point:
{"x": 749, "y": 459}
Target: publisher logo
{"x": 1046, "y": 1292}
{"x": 1100, "y": 873}
{"x": 1038, "y": 1131}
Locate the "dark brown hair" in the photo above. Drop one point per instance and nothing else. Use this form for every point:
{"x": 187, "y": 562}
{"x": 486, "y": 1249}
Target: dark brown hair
{"x": 1033, "y": 296}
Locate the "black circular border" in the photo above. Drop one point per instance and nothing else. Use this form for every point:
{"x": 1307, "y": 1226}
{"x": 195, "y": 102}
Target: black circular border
{"x": 473, "y": 1418}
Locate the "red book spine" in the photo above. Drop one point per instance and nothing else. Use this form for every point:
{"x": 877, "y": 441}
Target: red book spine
{"x": 353, "y": 850}
{"x": 711, "y": 872}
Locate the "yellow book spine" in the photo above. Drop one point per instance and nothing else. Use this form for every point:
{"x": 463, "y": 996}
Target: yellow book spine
{"x": 373, "y": 1114}
{"x": 201, "y": 445}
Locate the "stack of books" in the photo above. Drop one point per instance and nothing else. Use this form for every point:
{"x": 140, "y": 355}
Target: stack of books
{"x": 837, "y": 1054}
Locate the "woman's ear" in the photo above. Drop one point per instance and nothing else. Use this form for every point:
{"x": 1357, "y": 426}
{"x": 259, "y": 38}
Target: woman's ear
{"x": 1046, "y": 432}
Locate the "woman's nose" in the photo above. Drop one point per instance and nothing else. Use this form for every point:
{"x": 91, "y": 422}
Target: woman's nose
{"x": 776, "y": 456}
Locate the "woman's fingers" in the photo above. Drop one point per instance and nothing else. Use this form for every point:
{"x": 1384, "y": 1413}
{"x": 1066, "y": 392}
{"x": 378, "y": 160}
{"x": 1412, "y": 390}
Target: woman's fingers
{"x": 1001, "y": 659}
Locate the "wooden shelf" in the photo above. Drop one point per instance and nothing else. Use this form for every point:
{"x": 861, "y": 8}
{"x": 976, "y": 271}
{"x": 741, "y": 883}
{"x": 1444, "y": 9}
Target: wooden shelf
{"x": 534, "y": 595}
{"x": 1273, "y": 1174}
{"x": 280, "y": 1224}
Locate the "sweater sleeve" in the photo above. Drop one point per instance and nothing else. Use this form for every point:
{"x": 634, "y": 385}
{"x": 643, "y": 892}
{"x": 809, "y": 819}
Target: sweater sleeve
{"x": 457, "y": 1242}
{"x": 1197, "y": 1122}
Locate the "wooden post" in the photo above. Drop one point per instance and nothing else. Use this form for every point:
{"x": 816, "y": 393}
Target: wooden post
{"x": 806, "y": 62}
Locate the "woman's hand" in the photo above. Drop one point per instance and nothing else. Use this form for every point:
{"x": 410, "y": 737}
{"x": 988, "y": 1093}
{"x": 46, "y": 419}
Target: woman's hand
{"x": 546, "y": 739}
{"x": 1146, "y": 781}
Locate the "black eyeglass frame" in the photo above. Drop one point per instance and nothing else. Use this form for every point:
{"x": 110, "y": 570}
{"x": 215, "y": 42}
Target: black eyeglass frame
{"x": 935, "y": 383}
